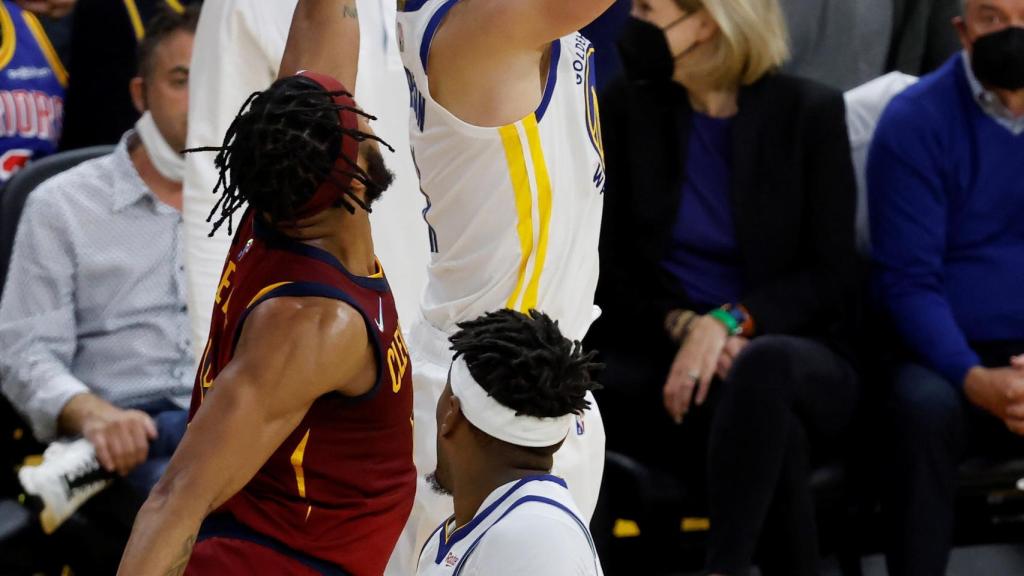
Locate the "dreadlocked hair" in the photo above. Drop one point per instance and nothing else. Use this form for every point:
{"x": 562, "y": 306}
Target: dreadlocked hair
{"x": 282, "y": 146}
{"x": 525, "y": 363}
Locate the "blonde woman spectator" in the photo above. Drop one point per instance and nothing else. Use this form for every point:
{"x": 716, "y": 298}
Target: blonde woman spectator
{"x": 728, "y": 272}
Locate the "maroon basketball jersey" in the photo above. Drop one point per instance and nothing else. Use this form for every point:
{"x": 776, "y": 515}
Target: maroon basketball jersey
{"x": 341, "y": 487}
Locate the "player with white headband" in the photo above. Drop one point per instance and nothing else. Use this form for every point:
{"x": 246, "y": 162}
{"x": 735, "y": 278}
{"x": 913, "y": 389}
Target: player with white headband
{"x": 513, "y": 391}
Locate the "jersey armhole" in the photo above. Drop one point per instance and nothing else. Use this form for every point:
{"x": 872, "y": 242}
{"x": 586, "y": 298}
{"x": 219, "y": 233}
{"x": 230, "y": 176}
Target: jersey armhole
{"x": 424, "y": 53}
{"x": 318, "y": 290}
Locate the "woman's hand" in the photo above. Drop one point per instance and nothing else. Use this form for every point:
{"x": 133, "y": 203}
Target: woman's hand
{"x": 733, "y": 347}
{"x": 694, "y": 367}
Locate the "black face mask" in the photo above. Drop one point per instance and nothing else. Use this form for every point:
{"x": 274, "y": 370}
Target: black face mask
{"x": 645, "y": 50}
{"x": 998, "y": 59}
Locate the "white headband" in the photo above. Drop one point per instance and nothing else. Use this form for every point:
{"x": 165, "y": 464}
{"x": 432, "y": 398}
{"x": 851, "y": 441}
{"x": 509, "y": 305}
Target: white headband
{"x": 501, "y": 422}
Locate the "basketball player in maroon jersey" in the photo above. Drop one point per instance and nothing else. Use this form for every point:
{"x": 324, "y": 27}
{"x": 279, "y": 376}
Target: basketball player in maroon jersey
{"x": 298, "y": 457}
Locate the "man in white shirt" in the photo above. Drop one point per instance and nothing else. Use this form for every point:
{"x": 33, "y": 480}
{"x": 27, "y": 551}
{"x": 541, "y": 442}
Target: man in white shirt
{"x": 513, "y": 392}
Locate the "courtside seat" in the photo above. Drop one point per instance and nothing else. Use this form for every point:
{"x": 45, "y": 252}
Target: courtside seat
{"x": 990, "y": 507}
{"x": 647, "y": 524}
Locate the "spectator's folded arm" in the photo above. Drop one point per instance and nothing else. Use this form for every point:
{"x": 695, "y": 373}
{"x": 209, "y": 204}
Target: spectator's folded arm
{"x": 909, "y": 213}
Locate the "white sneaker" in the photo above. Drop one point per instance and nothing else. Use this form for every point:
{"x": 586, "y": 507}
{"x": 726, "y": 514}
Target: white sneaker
{"x": 69, "y": 475}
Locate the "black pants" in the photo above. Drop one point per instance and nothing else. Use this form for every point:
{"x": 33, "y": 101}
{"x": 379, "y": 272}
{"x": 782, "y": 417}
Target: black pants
{"x": 933, "y": 428}
{"x": 785, "y": 397}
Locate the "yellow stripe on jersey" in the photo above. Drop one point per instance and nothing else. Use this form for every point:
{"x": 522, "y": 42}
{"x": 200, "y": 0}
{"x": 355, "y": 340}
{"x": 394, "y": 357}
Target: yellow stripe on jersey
{"x": 176, "y": 6}
{"x": 380, "y": 270}
{"x": 540, "y": 170}
{"x": 297, "y": 457}
{"x": 264, "y": 292}
{"x": 524, "y": 202}
{"x": 9, "y": 36}
{"x": 133, "y": 15}
{"x": 48, "y": 50}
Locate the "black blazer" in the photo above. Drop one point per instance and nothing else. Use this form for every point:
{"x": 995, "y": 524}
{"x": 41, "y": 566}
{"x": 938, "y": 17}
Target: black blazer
{"x": 794, "y": 197}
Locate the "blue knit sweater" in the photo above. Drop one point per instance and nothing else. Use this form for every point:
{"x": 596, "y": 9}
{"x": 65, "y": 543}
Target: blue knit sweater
{"x": 946, "y": 188}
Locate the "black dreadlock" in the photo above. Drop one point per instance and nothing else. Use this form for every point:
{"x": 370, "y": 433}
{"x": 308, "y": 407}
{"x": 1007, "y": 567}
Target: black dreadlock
{"x": 525, "y": 363}
{"x": 282, "y": 147}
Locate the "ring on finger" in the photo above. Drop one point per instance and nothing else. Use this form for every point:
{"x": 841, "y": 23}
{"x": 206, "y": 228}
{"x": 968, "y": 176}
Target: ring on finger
{"x": 693, "y": 375}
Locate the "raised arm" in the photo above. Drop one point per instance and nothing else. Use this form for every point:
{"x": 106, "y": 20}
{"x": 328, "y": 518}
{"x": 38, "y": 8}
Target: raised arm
{"x": 324, "y": 38}
{"x": 530, "y": 23}
{"x": 286, "y": 359}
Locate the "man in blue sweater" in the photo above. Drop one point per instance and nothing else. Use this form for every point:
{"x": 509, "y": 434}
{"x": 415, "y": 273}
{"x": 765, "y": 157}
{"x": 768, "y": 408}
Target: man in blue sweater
{"x": 946, "y": 181}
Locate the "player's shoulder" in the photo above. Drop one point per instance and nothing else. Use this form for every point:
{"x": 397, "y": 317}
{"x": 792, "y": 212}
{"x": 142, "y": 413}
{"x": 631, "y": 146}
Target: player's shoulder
{"x": 536, "y": 538}
{"x": 331, "y": 321}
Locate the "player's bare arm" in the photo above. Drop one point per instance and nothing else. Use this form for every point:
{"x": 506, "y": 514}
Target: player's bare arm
{"x": 488, "y": 60}
{"x": 324, "y": 37}
{"x": 286, "y": 358}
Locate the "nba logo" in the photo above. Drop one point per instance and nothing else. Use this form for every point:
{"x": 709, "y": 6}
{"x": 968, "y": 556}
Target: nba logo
{"x": 580, "y": 426}
{"x": 245, "y": 250}
{"x": 451, "y": 560}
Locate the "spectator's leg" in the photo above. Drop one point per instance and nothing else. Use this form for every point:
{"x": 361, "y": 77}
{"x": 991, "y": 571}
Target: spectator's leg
{"x": 780, "y": 388}
{"x": 790, "y": 543}
{"x": 926, "y": 440}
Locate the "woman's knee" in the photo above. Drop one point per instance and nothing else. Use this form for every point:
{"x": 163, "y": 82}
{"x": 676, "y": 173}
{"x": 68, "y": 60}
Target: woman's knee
{"x": 767, "y": 362}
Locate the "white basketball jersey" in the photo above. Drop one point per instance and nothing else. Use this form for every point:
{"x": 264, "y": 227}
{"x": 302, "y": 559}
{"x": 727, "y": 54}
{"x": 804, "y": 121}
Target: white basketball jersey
{"x": 527, "y": 527}
{"x": 514, "y": 212}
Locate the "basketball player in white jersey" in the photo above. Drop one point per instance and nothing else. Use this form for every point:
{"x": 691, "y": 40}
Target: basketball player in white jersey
{"x": 505, "y": 134}
{"x": 513, "y": 389}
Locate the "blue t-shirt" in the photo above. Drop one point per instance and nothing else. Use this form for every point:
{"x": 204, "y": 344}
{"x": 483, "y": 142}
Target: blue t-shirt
{"x": 32, "y": 81}
{"x": 704, "y": 254}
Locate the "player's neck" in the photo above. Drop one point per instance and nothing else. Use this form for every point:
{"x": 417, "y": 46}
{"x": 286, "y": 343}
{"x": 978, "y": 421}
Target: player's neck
{"x": 470, "y": 496}
{"x": 351, "y": 242}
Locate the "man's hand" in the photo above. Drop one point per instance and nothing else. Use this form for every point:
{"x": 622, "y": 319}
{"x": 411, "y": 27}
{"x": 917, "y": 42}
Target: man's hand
{"x": 999, "y": 391}
{"x": 121, "y": 437}
{"x": 48, "y": 8}
{"x": 1017, "y": 362}
{"x": 694, "y": 367}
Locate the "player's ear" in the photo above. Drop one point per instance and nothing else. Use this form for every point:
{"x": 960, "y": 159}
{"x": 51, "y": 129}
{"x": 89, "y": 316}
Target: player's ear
{"x": 137, "y": 88}
{"x": 452, "y": 416}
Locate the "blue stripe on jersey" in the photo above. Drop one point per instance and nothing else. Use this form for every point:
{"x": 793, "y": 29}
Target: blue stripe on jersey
{"x": 461, "y": 532}
{"x": 318, "y": 290}
{"x": 226, "y": 526}
{"x": 413, "y": 5}
{"x": 549, "y": 89}
{"x": 277, "y": 240}
{"x": 428, "y": 35}
{"x": 518, "y": 503}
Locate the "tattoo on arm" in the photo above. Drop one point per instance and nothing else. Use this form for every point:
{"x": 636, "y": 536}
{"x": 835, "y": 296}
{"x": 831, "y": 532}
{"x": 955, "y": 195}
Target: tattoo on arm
{"x": 181, "y": 562}
{"x": 350, "y": 11}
